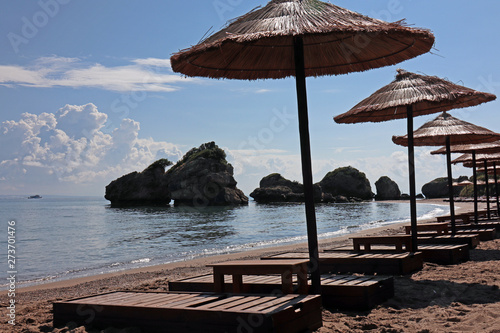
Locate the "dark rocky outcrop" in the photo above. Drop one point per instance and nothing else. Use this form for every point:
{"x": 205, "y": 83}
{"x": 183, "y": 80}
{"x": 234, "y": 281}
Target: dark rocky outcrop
{"x": 438, "y": 188}
{"x": 276, "y": 188}
{"x": 275, "y": 179}
{"x": 141, "y": 188}
{"x": 348, "y": 182}
{"x": 202, "y": 177}
{"x": 342, "y": 185}
{"x": 387, "y": 189}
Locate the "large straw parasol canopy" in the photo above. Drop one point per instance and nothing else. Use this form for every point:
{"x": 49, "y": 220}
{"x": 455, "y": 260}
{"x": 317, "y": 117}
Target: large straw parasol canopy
{"x": 302, "y": 38}
{"x": 260, "y": 44}
{"x": 426, "y": 95}
{"x": 435, "y": 133}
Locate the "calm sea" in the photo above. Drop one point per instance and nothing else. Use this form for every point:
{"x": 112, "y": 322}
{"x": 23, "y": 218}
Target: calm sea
{"x": 66, "y": 237}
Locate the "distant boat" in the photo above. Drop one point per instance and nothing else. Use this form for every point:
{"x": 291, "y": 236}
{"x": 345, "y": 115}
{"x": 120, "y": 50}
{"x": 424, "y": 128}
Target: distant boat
{"x": 34, "y": 197}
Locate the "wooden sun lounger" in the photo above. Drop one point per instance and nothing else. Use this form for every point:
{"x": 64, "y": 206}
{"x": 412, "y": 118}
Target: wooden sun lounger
{"x": 339, "y": 291}
{"x": 174, "y": 312}
{"x": 484, "y": 234}
{"x": 492, "y": 224}
{"x": 287, "y": 269}
{"x": 437, "y": 227}
{"x": 365, "y": 263}
{"x": 402, "y": 243}
{"x": 440, "y": 228}
{"x": 472, "y": 240}
{"x": 465, "y": 218}
{"x": 444, "y": 254}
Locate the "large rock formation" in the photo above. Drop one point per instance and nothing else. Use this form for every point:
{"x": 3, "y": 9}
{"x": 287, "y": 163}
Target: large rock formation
{"x": 438, "y": 188}
{"x": 342, "y": 185}
{"x": 348, "y": 182}
{"x": 202, "y": 177}
{"x": 276, "y": 188}
{"x": 387, "y": 189}
{"x": 141, "y": 188}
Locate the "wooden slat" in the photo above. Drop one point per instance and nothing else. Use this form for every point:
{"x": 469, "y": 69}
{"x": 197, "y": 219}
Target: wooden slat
{"x": 181, "y": 301}
{"x": 273, "y": 304}
{"x": 250, "y": 304}
{"x": 221, "y": 302}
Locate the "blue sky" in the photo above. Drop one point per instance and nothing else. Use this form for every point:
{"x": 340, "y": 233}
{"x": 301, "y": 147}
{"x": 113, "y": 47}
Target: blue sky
{"x": 87, "y": 94}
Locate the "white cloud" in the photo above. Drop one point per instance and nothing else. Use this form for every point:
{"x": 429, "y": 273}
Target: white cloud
{"x": 150, "y": 74}
{"x": 69, "y": 149}
{"x": 74, "y": 149}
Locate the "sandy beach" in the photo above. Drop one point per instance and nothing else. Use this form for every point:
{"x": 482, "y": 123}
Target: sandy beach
{"x": 455, "y": 298}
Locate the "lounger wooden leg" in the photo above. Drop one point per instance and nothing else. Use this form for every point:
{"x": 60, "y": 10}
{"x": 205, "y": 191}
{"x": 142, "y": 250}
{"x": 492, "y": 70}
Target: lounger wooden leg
{"x": 286, "y": 282}
{"x": 302, "y": 280}
{"x": 218, "y": 281}
{"x": 237, "y": 283}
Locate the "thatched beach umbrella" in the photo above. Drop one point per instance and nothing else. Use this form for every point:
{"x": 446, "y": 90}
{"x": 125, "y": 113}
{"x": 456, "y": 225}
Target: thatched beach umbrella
{"x": 472, "y": 149}
{"x": 483, "y": 148}
{"x": 447, "y": 130}
{"x": 408, "y": 96}
{"x": 301, "y": 38}
{"x": 471, "y": 160}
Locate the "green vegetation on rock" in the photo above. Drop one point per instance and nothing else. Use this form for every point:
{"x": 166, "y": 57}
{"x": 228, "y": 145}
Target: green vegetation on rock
{"x": 207, "y": 150}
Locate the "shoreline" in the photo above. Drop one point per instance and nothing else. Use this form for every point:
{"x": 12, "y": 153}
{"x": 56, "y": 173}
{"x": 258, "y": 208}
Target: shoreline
{"x": 202, "y": 261}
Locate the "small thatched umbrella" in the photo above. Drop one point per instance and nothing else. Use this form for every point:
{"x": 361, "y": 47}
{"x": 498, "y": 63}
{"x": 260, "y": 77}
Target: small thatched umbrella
{"x": 408, "y": 96}
{"x": 447, "y": 130}
{"x": 471, "y": 160}
{"x": 302, "y": 38}
{"x": 483, "y": 148}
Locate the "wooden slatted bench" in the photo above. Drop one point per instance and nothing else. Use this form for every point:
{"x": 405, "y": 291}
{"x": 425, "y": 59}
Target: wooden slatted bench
{"x": 238, "y": 268}
{"x": 484, "y": 234}
{"x": 438, "y": 227}
{"x": 465, "y": 218}
{"x": 443, "y": 254}
{"x": 472, "y": 240}
{"x": 485, "y": 224}
{"x": 364, "y": 263}
{"x": 339, "y": 291}
{"x": 174, "y": 312}
{"x": 402, "y": 243}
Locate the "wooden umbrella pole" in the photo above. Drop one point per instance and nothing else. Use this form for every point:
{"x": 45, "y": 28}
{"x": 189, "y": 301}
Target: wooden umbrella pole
{"x": 487, "y": 189}
{"x": 474, "y": 174}
{"x": 411, "y": 169}
{"x": 450, "y": 186}
{"x": 496, "y": 187}
{"x": 305, "y": 149}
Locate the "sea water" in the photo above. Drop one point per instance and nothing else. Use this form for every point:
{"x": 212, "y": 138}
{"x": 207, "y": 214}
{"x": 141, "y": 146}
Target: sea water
{"x": 59, "y": 238}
